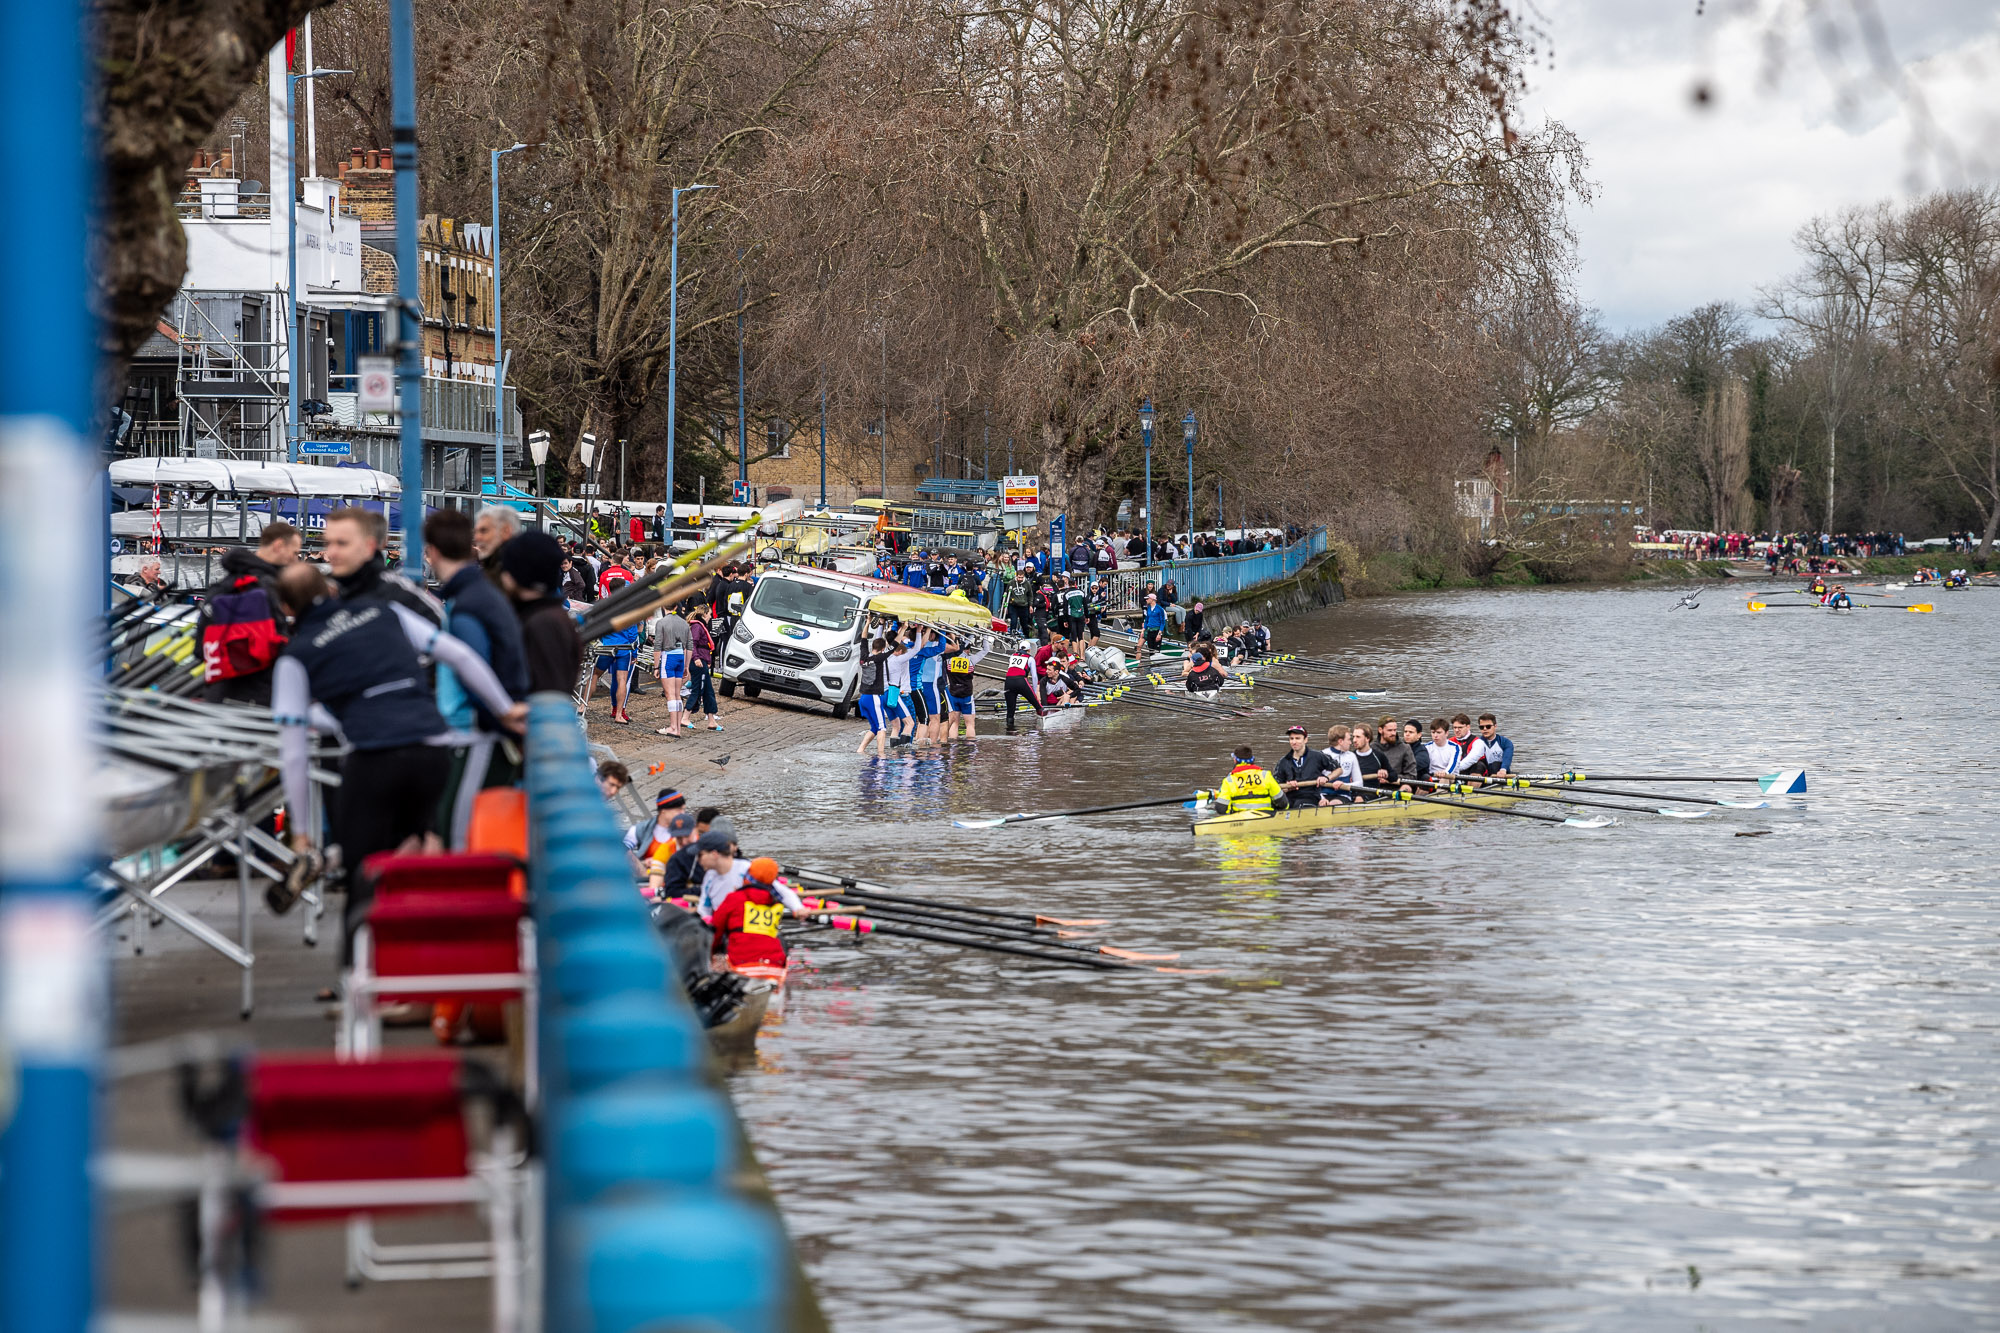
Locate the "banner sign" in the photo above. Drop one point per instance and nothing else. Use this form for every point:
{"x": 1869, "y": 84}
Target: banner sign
{"x": 1021, "y": 494}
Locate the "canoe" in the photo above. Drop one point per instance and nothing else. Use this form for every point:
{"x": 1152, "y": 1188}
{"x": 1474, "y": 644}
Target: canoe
{"x": 1312, "y": 819}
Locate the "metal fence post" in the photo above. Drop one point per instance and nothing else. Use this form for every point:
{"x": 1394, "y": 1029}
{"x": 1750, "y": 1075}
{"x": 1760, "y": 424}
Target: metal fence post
{"x": 51, "y": 971}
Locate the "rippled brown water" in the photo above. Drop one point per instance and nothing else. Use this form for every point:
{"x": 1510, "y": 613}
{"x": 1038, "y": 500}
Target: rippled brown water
{"x": 1476, "y": 1073}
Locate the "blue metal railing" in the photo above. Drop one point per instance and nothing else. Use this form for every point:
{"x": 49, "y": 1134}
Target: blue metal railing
{"x": 1199, "y": 580}
{"x": 642, "y": 1230}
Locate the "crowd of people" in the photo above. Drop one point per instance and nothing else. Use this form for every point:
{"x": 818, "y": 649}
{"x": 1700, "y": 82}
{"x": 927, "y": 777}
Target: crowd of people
{"x": 426, "y": 689}
{"x": 1364, "y": 761}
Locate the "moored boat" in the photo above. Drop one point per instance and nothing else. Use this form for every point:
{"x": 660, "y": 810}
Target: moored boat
{"x": 1313, "y": 818}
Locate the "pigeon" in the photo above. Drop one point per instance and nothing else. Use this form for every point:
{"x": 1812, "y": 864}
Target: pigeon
{"x": 722, "y": 762}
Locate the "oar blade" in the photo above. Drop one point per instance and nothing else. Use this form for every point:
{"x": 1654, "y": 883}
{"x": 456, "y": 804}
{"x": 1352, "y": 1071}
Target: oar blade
{"x": 994, "y": 822}
{"x": 1134, "y": 956}
{"x": 1922, "y": 606}
{"x": 1672, "y": 813}
{"x": 1785, "y": 782}
{"x": 1061, "y": 921}
{"x": 1759, "y": 606}
{"x": 1593, "y": 821}
{"x": 1744, "y": 805}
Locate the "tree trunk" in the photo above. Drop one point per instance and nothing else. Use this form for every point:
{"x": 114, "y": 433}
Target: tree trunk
{"x": 1073, "y": 472}
{"x": 168, "y": 74}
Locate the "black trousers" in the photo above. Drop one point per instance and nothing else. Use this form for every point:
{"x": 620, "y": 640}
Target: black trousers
{"x": 1017, "y": 690}
{"x": 385, "y": 796}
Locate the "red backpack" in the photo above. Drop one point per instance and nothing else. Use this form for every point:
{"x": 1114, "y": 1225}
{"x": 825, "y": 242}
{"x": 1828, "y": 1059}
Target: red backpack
{"x": 240, "y": 635}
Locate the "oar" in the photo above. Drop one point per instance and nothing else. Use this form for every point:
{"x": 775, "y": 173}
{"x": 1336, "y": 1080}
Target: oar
{"x": 1785, "y": 782}
{"x": 860, "y": 927}
{"x": 1641, "y": 795}
{"x": 1181, "y": 702}
{"x": 1474, "y": 789}
{"x": 939, "y": 917}
{"x": 862, "y": 886}
{"x": 605, "y": 609}
{"x": 1571, "y": 820}
{"x": 1283, "y": 687}
{"x": 999, "y": 820}
{"x": 1865, "y": 606}
{"x": 994, "y": 931}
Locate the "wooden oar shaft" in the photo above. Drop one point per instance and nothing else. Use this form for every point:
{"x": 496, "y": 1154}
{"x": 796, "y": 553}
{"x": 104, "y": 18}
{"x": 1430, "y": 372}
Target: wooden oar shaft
{"x": 867, "y": 902}
{"x": 1099, "y": 809}
{"x": 1467, "y": 788}
{"x": 991, "y": 946}
{"x": 864, "y": 887}
{"x": 1617, "y": 791}
{"x": 1577, "y": 775}
{"x": 1440, "y": 800}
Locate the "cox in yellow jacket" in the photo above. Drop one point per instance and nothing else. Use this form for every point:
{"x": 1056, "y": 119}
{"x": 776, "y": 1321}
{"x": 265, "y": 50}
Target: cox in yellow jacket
{"x": 1249, "y": 786}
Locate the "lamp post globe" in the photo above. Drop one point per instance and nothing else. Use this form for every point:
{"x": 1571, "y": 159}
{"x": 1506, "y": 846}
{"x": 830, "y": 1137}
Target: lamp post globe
{"x": 1146, "y": 434}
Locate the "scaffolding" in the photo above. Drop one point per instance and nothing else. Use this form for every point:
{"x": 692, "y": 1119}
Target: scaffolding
{"x": 229, "y": 375}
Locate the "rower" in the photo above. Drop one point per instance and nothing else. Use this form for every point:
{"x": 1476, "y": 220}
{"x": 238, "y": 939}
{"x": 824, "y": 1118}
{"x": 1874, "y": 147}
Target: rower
{"x": 1249, "y": 786}
{"x": 1444, "y": 756}
{"x": 958, "y": 688}
{"x": 1499, "y": 750}
{"x": 1837, "y": 599}
{"x": 1339, "y": 754}
{"x": 1471, "y": 750}
{"x": 1022, "y": 678}
{"x": 1303, "y": 773}
{"x": 746, "y": 921}
{"x": 1202, "y": 672}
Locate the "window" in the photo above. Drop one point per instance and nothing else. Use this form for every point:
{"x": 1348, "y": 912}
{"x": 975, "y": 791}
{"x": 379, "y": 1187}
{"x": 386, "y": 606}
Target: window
{"x": 805, "y": 603}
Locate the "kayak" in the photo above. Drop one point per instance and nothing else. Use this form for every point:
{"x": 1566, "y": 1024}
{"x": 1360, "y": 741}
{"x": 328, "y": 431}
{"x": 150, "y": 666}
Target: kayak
{"x": 1312, "y": 819}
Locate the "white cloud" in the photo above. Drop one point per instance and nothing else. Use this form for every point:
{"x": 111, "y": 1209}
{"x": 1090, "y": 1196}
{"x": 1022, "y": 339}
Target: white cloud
{"x": 1696, "y": 205}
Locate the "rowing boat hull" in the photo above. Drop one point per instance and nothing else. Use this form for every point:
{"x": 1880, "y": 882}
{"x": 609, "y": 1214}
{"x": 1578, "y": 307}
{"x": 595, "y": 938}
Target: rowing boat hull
{"x": 1312, "y": 819}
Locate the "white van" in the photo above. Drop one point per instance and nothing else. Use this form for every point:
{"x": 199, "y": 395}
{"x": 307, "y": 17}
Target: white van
{"x": 800, "y": 634}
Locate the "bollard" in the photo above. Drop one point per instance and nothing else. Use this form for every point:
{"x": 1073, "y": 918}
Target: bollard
{"x": 694, "y": 1262}
{"x": 638, "y": 1139}
{"x": 622, "y": 1037}
{"x": 603, "y": 963}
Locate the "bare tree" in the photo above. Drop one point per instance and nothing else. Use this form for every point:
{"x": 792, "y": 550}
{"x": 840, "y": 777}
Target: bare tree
{"x": 1944, "y": 320}
{"x": 1831, "y": 304}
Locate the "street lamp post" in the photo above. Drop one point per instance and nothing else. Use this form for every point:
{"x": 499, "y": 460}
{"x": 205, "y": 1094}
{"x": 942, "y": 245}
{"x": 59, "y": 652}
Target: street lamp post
{"x": 822, "y": 441}
{"x": 294, "y": 368}
{"x": 538, "y": 449}
{"x": 499, "y": 365}
{"x": 673, "y": 329}
{"x": 1187, "y": 434}
{"x": 1146, "y": 433}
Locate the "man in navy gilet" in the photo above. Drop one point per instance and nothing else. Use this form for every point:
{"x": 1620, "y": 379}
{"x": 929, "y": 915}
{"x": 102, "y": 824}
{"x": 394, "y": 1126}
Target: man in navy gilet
{"x": 356, "y": 663}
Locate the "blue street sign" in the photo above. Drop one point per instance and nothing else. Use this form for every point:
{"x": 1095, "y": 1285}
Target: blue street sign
{"x": 1059, "y": 540}
{"x": 739, "y": 492}
{"x": 327, "y": 448}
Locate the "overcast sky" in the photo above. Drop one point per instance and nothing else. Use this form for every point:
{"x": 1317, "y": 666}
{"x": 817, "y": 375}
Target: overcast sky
{"x": 1699, "y": 205}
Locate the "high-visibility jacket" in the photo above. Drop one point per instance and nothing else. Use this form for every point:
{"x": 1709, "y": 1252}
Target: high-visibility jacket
{"x": 1249, "y": 787}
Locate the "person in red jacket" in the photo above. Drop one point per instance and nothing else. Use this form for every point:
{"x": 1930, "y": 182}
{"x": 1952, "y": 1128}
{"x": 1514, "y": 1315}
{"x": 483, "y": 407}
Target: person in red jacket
{"x": 746, "y": 924}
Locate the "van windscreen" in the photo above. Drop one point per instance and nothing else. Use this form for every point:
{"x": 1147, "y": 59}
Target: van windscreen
{"x": 805, "y": 603}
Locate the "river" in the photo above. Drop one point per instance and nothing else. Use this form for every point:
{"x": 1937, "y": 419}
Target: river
{"x": 1464, "y": 1073}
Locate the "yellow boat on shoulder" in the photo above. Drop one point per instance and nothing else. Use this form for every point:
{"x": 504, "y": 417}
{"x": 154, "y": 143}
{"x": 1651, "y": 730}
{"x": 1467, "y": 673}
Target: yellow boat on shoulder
{"x": 1313, "y": 818}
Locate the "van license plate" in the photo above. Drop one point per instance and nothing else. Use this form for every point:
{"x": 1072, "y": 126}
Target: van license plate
{"x": 784, "y": 673}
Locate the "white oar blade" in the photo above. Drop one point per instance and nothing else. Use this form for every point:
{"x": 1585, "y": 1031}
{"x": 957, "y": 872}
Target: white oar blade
{"x": 1367, "y": 694}
{"x": 1745, "y": 805}
{"x": 1787, "y": 782}
{"x": 1594, "y": 821}
{"x": 981, "y": 823}
{"x": 1682, "y": 814}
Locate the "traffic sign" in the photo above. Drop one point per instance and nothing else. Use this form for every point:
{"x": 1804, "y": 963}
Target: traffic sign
{"x": 375, "y": 380}
{"x": 327, "y": 448}
{"x": 739, "y": 492}
{"x": 1021, "y": 495}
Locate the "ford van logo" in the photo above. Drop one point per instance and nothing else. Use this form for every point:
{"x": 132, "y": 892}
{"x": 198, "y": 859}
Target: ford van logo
{"x": 794, "y": 632}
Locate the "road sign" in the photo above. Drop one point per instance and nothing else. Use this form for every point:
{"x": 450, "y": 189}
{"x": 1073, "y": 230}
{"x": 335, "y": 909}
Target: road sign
{"x": 586, "y": 488}
{"x": 739, "y": 492}
{"x": 1021, "y": 495}
{"x": 327, "y": 448}
{"x": 375, "y": 379}
{"x": 117, "y": 546}
{"x": 1059, "y": 541}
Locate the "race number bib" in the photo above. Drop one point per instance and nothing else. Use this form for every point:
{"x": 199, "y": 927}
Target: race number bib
{"x": 762, "y": 918}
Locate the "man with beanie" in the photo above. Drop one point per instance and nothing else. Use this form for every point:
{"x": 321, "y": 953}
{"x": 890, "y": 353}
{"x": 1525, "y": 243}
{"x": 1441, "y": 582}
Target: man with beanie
{"x": 531, "y": 574}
